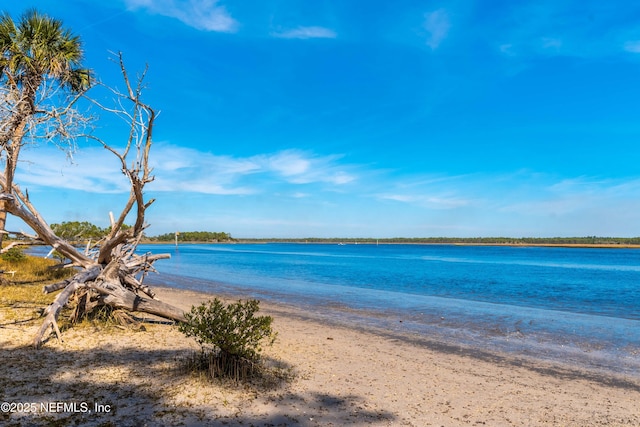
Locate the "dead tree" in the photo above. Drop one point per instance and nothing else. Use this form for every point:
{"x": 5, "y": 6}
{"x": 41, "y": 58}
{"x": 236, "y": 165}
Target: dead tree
{"x": 42, "y": 81}
{"x": 112, "y": 273}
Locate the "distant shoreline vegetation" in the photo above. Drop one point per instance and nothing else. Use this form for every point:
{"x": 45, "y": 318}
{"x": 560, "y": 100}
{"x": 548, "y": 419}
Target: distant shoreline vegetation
{"x": 84, "y": 231}
{"x": 81, "y": 232}
{"x": 588, "y": 241}
{"x": 193, "y": 236}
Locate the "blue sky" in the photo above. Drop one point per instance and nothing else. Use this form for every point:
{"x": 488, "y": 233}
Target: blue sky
{"x": 365, "y": 119}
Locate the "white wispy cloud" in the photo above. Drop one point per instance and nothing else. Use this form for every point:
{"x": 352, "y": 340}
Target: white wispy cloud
{"x": 551, "y": 27}
{"x": 428, "y": 201}
{"x": 544, "y": 46}
{"x": 437, "y": 24}
{"x": 515, "y": 201}
{"x": 300, "y": 167}
{"x": 579, "y": 197}
{"x": 306, "y": 33}
{"x": 433, "y": 191}
{"x": 506, "y": 48}
{"x": 288, "y": 163}
{"x": 185, "y": 169}
{"x": 205, "y": 15}
{"x": 308, "y": 185}
{"x": 551, "y": 43}
{"x": 632, "y": 46}
{"x": 92, "y": 171}
{"x": 523, "y": 194}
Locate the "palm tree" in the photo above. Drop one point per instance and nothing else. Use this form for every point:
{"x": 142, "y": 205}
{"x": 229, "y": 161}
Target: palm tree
{"x": 36, "y": 54}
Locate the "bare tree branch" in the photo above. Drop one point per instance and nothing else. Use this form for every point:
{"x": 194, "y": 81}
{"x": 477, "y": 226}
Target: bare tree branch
{"x": 112, "y": 273}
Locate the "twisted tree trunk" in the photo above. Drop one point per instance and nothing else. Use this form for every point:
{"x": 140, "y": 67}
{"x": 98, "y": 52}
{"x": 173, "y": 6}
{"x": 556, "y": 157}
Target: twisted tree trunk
{"x": 114, "y": 274}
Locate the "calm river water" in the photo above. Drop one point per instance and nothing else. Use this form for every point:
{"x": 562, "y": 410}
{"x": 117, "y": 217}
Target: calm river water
{"x": 575, "y": 305}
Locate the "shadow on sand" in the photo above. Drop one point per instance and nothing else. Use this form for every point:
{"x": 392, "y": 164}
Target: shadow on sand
{"x": 109, "y": 386}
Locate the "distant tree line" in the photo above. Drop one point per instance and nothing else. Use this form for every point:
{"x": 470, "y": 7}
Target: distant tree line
{"x": 77, "y": 232}
{"x": 588, "y": 240}
{"x": 194, "y": 236}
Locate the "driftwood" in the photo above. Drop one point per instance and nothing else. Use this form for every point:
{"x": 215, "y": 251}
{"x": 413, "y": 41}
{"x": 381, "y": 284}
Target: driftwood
{"x": 112, "y": 273}
{"x": 61, "y": 300}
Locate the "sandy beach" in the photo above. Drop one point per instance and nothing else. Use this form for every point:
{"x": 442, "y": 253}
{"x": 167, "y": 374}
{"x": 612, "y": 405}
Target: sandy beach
{"x": 340, "y": 376}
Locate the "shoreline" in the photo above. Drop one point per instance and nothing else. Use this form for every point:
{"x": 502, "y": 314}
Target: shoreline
{"x": 589, "y": 341}
{"x": 333, "y": 319}
{"x": 405, "y": 362}
{"x": 368, "y": 243}
{"x": 376, "y": 323}
{"x": 342, "y": 376}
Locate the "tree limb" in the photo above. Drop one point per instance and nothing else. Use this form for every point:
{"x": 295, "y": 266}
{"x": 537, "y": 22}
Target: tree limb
{"x": 61, "y": 300}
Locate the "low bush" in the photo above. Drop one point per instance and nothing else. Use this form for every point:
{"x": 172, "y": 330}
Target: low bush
{"x": 231, "y": 337}
{"x": 14, "y": 254}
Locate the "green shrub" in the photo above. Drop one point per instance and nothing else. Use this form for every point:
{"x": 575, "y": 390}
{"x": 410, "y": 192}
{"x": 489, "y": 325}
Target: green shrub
{"x": 230, "y": 336}
{"x": 14, "y": 254}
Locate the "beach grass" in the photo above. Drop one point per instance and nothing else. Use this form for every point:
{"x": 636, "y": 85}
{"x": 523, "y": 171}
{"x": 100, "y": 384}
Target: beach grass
{"x": 32, "y": 271}
{"x": 21, "y": 286}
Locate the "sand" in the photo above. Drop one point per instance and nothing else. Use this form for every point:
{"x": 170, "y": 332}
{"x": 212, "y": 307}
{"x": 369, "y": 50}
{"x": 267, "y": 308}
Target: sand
{"x": 339, "y": 376}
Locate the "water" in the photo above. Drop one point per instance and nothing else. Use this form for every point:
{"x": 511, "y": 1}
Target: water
{"x": 575, "y": 305}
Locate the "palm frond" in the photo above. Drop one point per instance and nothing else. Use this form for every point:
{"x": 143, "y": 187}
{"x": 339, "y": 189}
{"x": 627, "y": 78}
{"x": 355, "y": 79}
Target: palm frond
{"x": 37, "y": 47}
